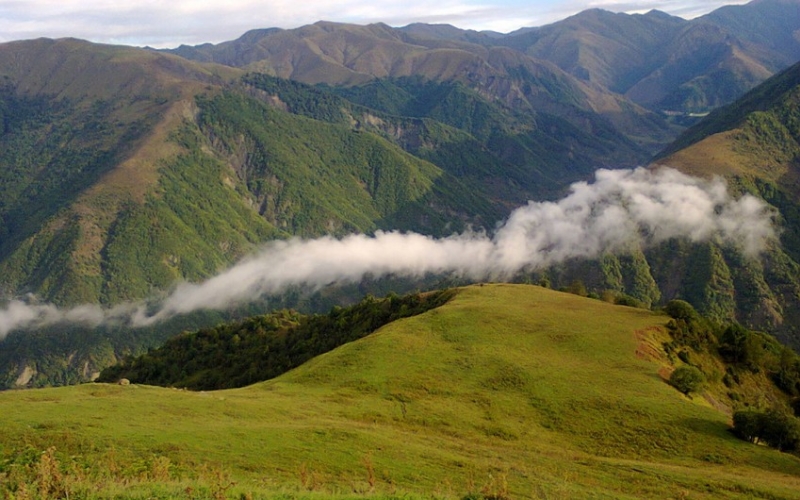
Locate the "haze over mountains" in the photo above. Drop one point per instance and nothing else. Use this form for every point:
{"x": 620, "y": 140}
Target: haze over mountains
{"x": 126, "y": 171}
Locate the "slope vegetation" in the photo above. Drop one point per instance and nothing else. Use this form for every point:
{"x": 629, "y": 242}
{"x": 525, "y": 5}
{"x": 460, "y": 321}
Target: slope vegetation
{"x": 217, "y": 167}
{"x": 755, "y": 143}
{"x": 505, "y": 392}
{"x": 346, "y": 55}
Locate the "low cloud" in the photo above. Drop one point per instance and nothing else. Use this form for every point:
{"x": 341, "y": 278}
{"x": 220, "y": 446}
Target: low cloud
{"x": 619, "y": 209}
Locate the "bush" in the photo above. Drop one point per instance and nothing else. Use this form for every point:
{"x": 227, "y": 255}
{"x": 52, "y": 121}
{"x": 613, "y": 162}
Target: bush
{"x": 687, "y": 379}
{"x": 680, "y": 309}
{"x": 781, "y": 430}
{"x": 626, "y": 300}
{"x": 775, "y": 427}
{"x": 742, "y": 347}
{"x": 748, "y": 425}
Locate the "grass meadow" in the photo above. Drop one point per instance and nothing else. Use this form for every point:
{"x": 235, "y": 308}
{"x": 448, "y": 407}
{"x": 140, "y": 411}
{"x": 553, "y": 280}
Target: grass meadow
{"x": 508, "y": 391}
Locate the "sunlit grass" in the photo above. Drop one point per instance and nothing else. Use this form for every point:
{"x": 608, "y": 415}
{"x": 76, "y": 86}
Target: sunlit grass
{"x": 513, "y": 391}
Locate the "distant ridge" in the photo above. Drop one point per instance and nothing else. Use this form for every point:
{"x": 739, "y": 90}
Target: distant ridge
{"x": 125, "y": 171}
{"x": 658, "y": 61}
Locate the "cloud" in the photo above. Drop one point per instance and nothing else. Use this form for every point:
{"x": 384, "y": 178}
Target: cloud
{"x": 619, "y": 209}
{"x": 169, "y": 24}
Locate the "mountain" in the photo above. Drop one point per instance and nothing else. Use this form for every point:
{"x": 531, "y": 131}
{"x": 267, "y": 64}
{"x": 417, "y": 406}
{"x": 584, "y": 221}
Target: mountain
{"x": 128, "y": 170}
{"x": 660, "y": 62}
{"x": 125, "y": 171}
{"x": 667, "y": 63}
{"x": 755, "y": 144}
{"x": 505, "y": 391}
{"x": 102, "y": 193}
{"x": 347, "y": 55}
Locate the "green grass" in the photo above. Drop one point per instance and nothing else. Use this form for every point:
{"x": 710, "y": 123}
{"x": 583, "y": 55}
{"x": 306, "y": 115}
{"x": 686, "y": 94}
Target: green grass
{"x": 508, "y": 390}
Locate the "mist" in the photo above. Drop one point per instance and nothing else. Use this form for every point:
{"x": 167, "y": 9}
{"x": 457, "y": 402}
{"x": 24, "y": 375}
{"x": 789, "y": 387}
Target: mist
{"x": 618, "y": 209}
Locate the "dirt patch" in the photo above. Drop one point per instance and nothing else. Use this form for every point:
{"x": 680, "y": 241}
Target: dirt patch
{"x": 648, "y": 346}
{"x": 717, "y": 405}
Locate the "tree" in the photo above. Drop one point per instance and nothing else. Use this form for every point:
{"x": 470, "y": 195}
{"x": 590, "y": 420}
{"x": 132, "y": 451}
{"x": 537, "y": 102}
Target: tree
{"x": 775, "y": 427}
{"x": 748, "y": 425}
{"x": 577, "y": 287}
{"x": 680, "y": 309}
{"x": 740, "y": 346}
{"x": 687, "y": 379}
{"x": 781, "y": 430}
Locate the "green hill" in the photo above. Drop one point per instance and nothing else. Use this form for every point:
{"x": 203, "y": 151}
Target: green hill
{"x": 125, "y": 171}
{"x": 117, "y": 194}
{"x": 755, "y": 144}
{"x": 504, "y": 392}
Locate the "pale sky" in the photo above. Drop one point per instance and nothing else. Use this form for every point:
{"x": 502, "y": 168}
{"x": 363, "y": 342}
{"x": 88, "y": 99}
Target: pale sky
{"x": 169, "y": 23}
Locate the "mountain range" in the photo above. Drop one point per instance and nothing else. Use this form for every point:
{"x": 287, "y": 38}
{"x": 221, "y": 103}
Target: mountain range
{"x": 125, "y": 170}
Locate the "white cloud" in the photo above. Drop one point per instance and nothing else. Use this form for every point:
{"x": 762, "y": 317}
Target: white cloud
{"x": 620, "y": 208}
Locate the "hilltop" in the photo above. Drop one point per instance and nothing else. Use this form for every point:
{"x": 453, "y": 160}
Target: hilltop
{"x": 128, "y": 171}
{"x": 506, "y": 391}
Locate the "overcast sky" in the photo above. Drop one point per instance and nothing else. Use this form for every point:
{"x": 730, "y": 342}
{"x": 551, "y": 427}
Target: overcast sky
{"x": 169, "y": 23}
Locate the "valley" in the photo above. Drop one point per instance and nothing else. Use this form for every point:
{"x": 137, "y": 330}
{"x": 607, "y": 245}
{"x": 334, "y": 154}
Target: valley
{"x": 365, "y": 261}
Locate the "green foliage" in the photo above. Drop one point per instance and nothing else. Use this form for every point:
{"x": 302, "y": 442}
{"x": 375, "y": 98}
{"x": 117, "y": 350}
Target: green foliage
{"x": 623, "y": 299}
{"x": 518, "y": 142}
{"x": 52, "y": 151}
{"x": 787, "y": 375}
{"x": 680, "y": 309}
{"x": 71, "y": 353}
{"x": 500, "y": 381}
{"x": 259, "y": 348}
{"x": 709, "y": 283}
{"x": 741, "y": 346}
{"x": 687, "y": 379}
{"x": 748, "y": 424}
{"x": 775, "y": 427}
{"x": 192, "y": 227}
{"x": 310, "y": 177}
{"x": 577, "y": 287}
{"x": 770, "y": 94}
{"x": 301, "y": 99}
{"x": 687, "y": 328}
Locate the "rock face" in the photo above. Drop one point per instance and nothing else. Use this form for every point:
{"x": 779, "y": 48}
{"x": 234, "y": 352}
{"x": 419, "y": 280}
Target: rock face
{"x": 25, "y": 377}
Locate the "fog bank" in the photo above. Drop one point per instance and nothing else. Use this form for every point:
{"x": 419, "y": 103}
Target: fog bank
{"x": 618, "y": 209}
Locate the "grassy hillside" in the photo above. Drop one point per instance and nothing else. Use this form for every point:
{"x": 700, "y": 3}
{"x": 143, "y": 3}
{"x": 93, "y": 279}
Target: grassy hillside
{"x": 755, "y": 144}
{"x": 505, "y": 392}
{"x": 263, "y": 347}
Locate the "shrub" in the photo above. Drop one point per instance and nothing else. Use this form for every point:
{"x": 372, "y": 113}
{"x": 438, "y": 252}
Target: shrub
{"x": 687, "y": 379}
{"x": 577, "y": 287}
{"x": 781, "y": 430}
{"x": 626, "y": 300}
{"x": 748, "y": 425}
{"x": 680, "y": 309}
{"x": 741, "y": 346}
{"x": 775, "y": 427}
